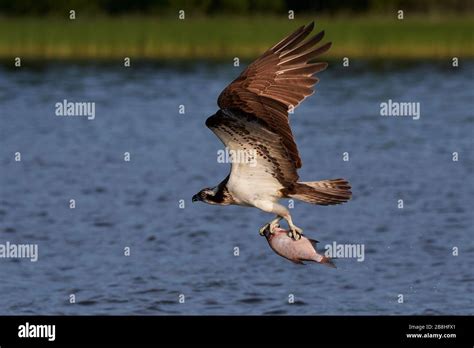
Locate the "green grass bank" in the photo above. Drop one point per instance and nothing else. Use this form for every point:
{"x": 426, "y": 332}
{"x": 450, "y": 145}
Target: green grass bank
{"x": 225, "y": 37}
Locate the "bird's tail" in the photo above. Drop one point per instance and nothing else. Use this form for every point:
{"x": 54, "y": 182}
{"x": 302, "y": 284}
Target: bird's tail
{"x": 324, "y": 192}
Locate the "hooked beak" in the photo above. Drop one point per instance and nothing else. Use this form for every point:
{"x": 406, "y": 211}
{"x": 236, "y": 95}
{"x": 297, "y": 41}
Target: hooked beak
{"x": 196, "y": 198}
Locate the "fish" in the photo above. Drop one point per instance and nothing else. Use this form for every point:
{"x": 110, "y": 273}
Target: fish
{"x": 297, "y": 251}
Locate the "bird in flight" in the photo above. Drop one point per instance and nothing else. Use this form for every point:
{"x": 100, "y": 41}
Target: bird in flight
{"x": 254, "y": 119}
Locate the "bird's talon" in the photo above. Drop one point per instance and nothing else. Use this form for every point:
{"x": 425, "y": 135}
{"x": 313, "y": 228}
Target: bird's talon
{"x": 263, "y": 228}
{"x": 273, "y": 226}
{"x": 295, "y": 233}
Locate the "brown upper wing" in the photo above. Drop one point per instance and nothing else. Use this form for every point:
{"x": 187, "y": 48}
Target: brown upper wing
{"x": 281, "y": 78}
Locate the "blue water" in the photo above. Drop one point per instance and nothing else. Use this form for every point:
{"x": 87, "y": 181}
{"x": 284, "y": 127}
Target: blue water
{"x": 190, "y": 251}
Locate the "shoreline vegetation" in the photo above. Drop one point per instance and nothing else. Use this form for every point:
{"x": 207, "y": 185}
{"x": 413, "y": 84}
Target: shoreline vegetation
{"x": 222, "y": 37}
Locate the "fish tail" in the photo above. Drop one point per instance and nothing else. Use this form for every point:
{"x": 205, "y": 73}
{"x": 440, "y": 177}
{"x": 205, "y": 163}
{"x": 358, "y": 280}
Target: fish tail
{"x": 327, "y": 262}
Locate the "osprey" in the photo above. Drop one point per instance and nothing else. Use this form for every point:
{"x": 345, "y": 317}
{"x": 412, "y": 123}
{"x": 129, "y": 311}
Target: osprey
{"x": 253, "y": 118}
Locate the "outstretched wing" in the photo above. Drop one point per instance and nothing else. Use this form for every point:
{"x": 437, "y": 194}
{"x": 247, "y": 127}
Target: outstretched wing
{"x": 277, "y": 81}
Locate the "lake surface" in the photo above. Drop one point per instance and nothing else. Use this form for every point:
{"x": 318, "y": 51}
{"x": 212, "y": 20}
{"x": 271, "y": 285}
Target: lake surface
{"x": 190, "y": 250}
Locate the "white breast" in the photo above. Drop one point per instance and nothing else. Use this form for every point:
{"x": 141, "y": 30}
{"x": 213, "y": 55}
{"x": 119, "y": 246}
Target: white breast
{"x": 249, "y": 184}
